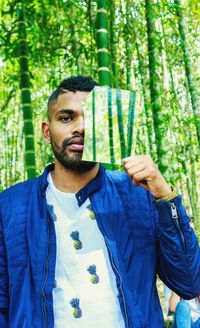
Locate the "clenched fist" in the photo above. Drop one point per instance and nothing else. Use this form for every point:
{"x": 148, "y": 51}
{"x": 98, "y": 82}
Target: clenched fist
{"x": 143, "y": 171}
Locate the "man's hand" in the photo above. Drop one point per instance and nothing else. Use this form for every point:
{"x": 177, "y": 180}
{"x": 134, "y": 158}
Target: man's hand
{"x": 143, "y": 171}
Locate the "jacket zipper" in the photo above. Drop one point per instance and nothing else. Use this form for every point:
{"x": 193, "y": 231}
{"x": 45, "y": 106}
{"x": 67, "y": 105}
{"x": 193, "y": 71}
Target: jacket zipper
{"x": 176, "y": 218}
{"x": 115, "y": 268}
{"x": 120, "y": 278}
{"x": 46, "y": 273}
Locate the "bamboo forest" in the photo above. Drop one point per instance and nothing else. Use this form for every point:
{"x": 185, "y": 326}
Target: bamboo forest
{"x": 150, "y": 47}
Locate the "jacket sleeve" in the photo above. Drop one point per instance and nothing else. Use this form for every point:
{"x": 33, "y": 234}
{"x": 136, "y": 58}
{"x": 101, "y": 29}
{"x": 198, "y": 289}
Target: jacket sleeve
{"x": 4, "y": 289}
{"x": 178, "y": 252}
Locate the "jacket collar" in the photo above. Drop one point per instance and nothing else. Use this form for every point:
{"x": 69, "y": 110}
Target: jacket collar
{"x": 82, "y": 194}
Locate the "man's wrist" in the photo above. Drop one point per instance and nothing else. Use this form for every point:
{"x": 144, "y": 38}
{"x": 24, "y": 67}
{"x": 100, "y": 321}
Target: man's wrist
{"x": 168, "y": 197}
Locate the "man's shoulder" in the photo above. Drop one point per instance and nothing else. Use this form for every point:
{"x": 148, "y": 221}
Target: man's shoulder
{"x": 125, "y": 185}
{"x": 18, "y": 190}
{"x": 118, "y": 176}
{"x": 135, "y": 199}
{"x": 122, "y": 180}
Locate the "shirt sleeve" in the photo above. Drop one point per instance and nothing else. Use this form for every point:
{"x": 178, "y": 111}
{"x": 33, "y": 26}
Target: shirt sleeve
{"x": 178, "y": 252}
{"x": 4, "y": 285}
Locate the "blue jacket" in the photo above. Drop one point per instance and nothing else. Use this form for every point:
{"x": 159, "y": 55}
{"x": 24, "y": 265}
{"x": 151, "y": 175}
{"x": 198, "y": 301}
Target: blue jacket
{"x": 143, "y": 240}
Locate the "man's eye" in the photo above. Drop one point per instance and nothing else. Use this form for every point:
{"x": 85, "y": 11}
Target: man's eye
{"x": 65, "y": 119}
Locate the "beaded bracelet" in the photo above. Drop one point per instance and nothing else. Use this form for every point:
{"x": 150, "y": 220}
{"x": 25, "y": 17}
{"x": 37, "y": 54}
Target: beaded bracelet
{"x": 168, "y": 197}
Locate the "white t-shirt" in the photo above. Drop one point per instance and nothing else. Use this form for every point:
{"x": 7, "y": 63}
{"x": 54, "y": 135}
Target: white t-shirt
{"x": 85, "y": 294}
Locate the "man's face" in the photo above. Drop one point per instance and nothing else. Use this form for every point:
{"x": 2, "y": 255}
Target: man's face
{"x": 65, "y": 131}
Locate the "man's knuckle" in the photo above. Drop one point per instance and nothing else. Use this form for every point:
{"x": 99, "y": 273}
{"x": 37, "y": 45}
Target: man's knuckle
{"x": 135, "y": 177}
{"x": 151, "y": 170}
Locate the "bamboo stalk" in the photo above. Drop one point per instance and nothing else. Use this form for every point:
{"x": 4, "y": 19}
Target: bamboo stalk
{"x": 149, "y": 122}
{"x": 155, "y": 83}
{"x": 131, "y": 110}
{"x": 188, "y": 67}
{"x": 102, "y": 44}
{"x": 127, "y": 46}
{"x": 110, "y": 127}
{"x": 26, "y": 94}
{"x": 120, "y": 124}
{"x": 113, "y": 44}
{"x": 93, "y": 127}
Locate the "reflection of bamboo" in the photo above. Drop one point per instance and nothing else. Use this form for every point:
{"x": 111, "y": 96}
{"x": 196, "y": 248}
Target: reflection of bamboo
{"x": 93, "y": 127}
{"x": 130, "y": 122}
{"x": 110, "y": 126}
{"x": 120, "y": 123}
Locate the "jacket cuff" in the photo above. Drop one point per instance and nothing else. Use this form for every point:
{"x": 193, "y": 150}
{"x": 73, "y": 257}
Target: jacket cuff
{"x": 165, "y": 212}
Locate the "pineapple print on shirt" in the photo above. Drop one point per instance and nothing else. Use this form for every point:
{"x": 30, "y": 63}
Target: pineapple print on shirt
{"x": 53, "y": 213}
{"x": 77, "y": 313}
{"x": 94, "y": 277}
{"x": 90, "y": 212}
{"x": 75, "y": 237}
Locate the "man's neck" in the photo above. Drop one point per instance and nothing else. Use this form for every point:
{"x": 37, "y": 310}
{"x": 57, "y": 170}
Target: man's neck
{"x": 69, "y": 181}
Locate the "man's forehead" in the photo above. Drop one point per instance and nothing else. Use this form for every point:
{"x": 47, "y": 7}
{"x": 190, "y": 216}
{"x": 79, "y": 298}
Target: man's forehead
{"x": 78, "y": 95}
{"x": 69, "y": 98}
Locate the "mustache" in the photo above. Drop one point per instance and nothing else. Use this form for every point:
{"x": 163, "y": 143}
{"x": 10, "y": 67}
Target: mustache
{"x": 67, "y": 141}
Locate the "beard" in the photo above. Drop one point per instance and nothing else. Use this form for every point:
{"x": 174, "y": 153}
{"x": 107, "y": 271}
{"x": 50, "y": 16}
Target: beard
{"x": 69, "y": 161}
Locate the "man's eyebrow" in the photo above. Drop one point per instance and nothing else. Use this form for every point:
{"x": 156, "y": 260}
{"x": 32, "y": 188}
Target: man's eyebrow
{"x": 65, "y": 111}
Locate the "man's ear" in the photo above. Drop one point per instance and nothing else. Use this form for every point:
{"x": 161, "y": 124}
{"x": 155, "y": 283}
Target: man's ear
{"x": 45, "y": 132}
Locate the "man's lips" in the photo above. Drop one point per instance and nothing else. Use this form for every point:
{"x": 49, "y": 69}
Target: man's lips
{"x": 76, "y": 144}
{"x": 76, "y": 147}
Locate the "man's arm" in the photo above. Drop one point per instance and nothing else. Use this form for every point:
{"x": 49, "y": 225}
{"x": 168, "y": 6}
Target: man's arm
{"x": 178, "y": 253}
{"x": 178, "y": 249}
{"x": 4, "y": 284}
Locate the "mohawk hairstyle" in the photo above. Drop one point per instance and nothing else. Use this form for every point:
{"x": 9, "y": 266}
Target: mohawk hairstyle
{"x": 73, "y": 84}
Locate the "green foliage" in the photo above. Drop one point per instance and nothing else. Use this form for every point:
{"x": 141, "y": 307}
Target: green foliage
{"x": 168, "y": 324}
{"x": 61, "y": 41}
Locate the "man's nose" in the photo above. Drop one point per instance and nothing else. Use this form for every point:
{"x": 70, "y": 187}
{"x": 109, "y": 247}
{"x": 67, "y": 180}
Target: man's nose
{"x": 80, "y": 125}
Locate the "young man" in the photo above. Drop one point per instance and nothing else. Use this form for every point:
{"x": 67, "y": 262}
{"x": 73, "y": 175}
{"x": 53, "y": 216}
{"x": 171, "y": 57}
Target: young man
{"x": 81, "y": 246}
